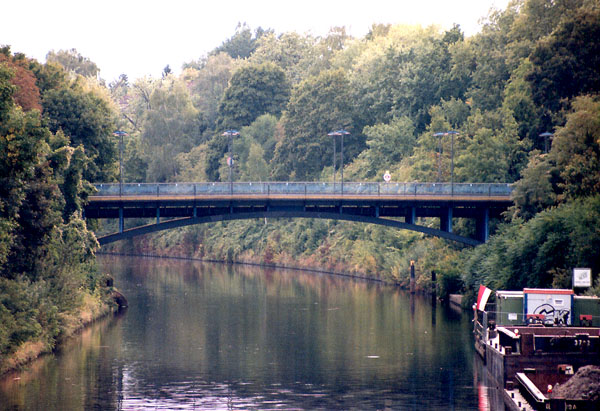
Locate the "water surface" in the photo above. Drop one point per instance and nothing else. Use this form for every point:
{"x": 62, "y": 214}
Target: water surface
{"x": 213, "y": 336}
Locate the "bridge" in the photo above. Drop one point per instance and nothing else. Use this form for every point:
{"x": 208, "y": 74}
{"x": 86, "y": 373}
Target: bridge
{"x": 398, "y": 205}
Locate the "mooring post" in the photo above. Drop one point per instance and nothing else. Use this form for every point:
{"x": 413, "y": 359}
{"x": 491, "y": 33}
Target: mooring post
{"x": 412, "y": 277}
{"x": 433, "y": 299}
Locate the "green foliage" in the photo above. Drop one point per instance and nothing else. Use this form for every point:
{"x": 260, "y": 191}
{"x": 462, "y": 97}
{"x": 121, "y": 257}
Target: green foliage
{"x": 243, "y": 43}
{"x": 317, "y": 106}
{"x": 297, "y": 55}
{"x": 170, "y": 126}
{"x": 535, "y": 253}
{"x": 73, "y": 62}
{"x": 254, "y": 90}
{"x": 567, "y": 63}
{"x": 535, "y": 192}
{"x": 46, "y": 250}
{"x": 208, "y": 84}
{"x": 87, "y": 119}
{"x": 576, "y": 149}
{"x": 387, "y": 145}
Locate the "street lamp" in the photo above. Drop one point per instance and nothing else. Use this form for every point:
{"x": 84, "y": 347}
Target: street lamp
{"x": 230, "y": 134}
{"x": 120, "y": 134}
{"x": 546, "y": 135}
{"x": 334, "y": 134}
{"x": 439, "y": 135}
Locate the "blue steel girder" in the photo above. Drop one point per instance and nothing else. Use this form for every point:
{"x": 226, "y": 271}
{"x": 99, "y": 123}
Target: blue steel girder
{"x": 182, "y": 222}
{"x": 180, "y": 204}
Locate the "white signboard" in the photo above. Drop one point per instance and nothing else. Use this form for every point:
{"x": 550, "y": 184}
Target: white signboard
{"x": 387, "y": 177}
{"x": 582, "y": 277}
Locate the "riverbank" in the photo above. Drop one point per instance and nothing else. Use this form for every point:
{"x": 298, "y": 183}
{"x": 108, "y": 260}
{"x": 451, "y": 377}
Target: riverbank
{"x": 93, "y": 308}
{"x": 252, "y": 263}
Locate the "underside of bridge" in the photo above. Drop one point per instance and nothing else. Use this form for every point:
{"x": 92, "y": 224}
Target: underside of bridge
{"x": 401, "y": 215}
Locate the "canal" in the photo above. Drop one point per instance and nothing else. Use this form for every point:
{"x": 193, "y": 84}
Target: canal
{"x": 214, "y": 336}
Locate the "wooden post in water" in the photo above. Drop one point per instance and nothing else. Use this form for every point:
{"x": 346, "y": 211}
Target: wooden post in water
{"x": 412, "y": 277}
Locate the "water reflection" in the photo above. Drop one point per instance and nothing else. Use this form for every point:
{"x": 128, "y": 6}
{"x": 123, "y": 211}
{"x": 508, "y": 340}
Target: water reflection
{"x": 203, "y": 336}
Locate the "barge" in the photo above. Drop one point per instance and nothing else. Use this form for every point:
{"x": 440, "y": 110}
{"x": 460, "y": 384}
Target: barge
{"x": 535, "y": 340}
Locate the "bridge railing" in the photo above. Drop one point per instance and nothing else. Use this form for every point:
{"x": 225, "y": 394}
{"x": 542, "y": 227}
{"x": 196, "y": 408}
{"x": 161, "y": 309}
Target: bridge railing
{"x": 304, "y": 188}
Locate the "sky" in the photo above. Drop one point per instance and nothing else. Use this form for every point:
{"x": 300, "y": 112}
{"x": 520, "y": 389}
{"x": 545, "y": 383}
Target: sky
{"x": 140, "y": 38}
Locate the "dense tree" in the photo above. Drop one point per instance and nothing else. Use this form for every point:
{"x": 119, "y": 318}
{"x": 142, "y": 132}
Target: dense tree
{"x": 491, "y": 69}
{"x": 243, "y": 43}
{"x": 87, "y": 118}
{"x": 170, "y": 127}
{"x": 264, "y": 132}
{"x": 576, "y": 149}
{"x": 208, "y": 84}
{"x": 72, "y": 61}
{"x": 46, "y": 251}
{"x": 518, "y": 100}
{"x": 567, "y": 63}
{"x": 26, "y": 94}
{"x": 296, "y": 54}
{"x": 536, "y": 189}
{"x": 387, "y": 145}
{"x": 253, "y": 90}
{"x": 317, "y": 106}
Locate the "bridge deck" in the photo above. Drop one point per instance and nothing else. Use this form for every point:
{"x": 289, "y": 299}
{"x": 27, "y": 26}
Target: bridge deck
{"x": 312, "y": 197}
{"x": 366, "y": 202}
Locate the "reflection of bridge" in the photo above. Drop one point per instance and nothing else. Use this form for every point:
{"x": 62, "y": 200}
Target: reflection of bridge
{"x": 391, "y": 204}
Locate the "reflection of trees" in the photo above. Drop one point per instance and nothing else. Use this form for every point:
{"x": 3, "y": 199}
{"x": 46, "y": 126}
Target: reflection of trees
{"x": 268, "y": 324}
{"x": 82, "y": 375}
{"x": 196, "y": 330}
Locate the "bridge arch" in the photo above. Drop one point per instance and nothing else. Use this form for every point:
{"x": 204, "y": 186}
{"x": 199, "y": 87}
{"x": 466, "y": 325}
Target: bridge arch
{"x": 187, "y": 221}
{"x": 397, "y": 205}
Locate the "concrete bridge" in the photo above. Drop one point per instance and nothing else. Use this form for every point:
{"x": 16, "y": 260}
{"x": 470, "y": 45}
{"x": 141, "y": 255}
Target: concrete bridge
{"x": 398, "y": 205}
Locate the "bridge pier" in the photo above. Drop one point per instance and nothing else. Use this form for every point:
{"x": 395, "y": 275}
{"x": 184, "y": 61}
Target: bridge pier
{"x": 446, "y": 220}
{"x": 121, "y": 220}
{"x": 482, "y": 225}
{"x": 157, "y": 214}
{"x": 411, "y": 218}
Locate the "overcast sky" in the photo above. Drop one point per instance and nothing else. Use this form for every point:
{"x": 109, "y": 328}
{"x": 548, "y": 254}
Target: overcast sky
{"x": 141, "y": 37}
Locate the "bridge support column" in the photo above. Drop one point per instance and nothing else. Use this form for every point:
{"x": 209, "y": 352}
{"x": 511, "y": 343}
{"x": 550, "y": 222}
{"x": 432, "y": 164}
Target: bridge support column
{"x": 195, "y": 209}
{"x": 157, "y": 215}
{"x": 446, "y": 220}
{"x": 482, "y": 225}
{"x": 411, "y": 218}
{"x": 121, "y": 221}
{"x": 376, "y": 211}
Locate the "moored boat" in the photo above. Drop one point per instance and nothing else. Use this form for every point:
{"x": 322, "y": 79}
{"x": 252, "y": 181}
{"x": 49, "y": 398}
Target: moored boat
{"x": 531, "y": 340}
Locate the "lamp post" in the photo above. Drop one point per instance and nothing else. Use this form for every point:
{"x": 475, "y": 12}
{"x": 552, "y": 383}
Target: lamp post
{"x": 120, "y": 134}
{"x": 334, "y": 134}
{"x": 439, "y": 135}
{"x": 230, "y": 134}
{"x": 546, "y": 135}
